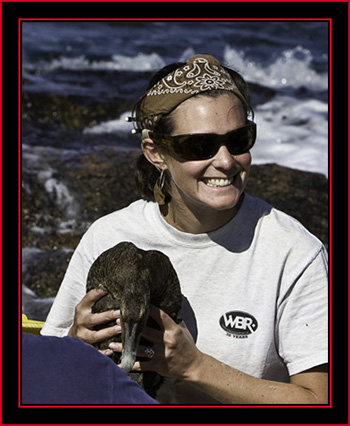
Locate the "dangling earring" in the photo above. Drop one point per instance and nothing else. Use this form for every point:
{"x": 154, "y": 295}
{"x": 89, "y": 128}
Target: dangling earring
{"x": 159, "y": 195}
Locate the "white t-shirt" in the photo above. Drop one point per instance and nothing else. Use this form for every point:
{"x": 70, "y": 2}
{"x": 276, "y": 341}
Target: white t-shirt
{"x": 255, "y": 291}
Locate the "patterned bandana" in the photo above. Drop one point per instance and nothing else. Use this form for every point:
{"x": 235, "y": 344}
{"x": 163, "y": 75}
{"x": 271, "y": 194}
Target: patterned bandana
{"x": 200, "y": 74}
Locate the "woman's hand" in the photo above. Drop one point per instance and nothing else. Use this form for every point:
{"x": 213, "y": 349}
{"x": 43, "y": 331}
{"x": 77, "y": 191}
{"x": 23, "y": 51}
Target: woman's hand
{"x": 175, "y": 350}
{"x": 85, "y": 321}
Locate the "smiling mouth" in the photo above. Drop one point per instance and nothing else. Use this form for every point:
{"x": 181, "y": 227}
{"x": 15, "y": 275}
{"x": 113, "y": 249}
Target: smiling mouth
{"x": 218, "y": 182}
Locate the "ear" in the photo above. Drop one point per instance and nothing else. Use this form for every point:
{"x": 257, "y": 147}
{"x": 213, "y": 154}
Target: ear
{"x": 153, "y": 153}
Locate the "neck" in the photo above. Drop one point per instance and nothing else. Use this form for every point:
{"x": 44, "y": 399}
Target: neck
{"x": 199, "y": 221}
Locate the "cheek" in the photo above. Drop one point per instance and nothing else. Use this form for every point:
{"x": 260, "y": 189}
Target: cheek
{"x": 244, "y": 160}
{"x": 185, "y": 175}
{"x": 189, "y": 170}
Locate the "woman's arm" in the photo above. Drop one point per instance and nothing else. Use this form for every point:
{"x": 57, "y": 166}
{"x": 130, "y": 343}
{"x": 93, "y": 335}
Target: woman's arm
{"x": 231, "y": 386}
{"x": 177, "y": 357}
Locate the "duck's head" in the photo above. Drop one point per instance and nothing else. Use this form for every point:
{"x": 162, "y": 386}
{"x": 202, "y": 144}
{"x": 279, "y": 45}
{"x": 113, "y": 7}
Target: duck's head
{"x": 133, "y": 316}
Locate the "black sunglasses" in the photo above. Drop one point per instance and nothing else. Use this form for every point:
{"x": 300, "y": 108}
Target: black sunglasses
{"x": 201, "y": 146}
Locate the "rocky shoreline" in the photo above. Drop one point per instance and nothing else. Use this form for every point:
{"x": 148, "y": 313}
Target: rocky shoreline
{"x": 58, "y": 207}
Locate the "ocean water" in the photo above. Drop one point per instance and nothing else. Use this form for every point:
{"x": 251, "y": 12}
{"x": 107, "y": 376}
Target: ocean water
{"x": 101, "y": 62}
{"x": 289, "y": 58}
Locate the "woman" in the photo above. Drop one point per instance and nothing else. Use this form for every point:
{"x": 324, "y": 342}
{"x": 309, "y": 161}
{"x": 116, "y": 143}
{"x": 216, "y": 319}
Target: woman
{"x": 254, "y": 280}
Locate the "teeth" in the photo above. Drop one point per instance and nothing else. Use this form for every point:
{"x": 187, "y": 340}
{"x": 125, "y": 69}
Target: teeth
{"x": 219, "y": 182}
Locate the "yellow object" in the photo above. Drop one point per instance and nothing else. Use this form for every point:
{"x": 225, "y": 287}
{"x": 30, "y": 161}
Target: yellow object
{"x": 31, "y": 326}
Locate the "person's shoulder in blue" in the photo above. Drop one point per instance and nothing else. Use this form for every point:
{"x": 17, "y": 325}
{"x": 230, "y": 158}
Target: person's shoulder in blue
{"x": 67, "y": 371}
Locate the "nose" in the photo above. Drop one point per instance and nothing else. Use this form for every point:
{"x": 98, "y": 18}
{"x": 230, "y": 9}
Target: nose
{"x": 223, "y": 159}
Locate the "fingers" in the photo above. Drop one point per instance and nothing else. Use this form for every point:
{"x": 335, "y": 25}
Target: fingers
{"x": 150, "y": 359}
{"x": 170, "y": 344}
{"x": 92, "y": 296}
{"x": 143, "y": 363}
{"x": 116, "y": 346}
{"x": 95, "y": 336}
{"x": 175, "y": 351}
{"x": 107, "y": 352}
{"x": 164, "y": 322}
{"x": 93, "y": 320}
{"x": 161, "y": 318}
{"x": 85, "y": 322}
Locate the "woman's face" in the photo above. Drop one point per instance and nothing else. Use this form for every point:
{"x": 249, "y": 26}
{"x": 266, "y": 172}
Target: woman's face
{"x": 215, "y": 184}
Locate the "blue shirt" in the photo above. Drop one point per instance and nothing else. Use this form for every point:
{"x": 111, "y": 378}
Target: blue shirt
{"x": 65, "y": 370}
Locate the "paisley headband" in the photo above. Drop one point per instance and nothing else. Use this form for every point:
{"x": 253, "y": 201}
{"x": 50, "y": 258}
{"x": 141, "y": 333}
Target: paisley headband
{"x": 200, "y": 74}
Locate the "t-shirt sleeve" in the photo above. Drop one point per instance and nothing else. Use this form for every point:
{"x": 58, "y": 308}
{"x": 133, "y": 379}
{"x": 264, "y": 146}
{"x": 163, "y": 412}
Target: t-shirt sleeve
{"x": 302, "y": 320}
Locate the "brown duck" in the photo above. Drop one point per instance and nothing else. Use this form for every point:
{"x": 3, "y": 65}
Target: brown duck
{"x": 134, "y": 279}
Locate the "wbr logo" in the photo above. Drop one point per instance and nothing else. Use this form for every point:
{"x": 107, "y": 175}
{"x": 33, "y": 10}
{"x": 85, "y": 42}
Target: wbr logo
{"x": 238, "y": 324}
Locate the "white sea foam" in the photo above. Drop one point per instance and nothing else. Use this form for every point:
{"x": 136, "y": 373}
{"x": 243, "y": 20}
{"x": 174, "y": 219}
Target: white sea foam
{"x": 36, "y": 160}
{"x": 140, "y": 62}
{"x": 291, "y": 69}
{"x": 292, "y": 133}
{"x": 119, "y": 126}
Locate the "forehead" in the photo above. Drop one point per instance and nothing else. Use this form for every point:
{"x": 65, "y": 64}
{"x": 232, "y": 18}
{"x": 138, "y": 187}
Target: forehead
{"x": 204, "y": 114}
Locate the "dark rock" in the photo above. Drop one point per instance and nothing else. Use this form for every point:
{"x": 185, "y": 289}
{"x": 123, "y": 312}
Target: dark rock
{"x": 102, "y": 182}
{"x": 71, "y": 112}
{"x": 44, "y": 271}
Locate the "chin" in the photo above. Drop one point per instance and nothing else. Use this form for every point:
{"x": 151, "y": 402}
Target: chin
{"x": 225, "y": 200}
{"x": 224, "y": 204}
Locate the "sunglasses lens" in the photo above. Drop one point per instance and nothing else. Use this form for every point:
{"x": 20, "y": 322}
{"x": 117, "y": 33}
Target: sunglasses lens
{"x": 197, "y": 147}
{"x": 241, "y": 140}
{"x": 204, "y": 146}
